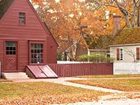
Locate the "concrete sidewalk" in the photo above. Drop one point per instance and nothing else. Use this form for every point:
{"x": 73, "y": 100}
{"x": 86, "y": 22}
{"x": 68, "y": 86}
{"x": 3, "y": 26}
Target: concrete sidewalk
{"x": 110, "y": 102}
{"x": 88, "y": 87}
{"x": 64, "y": 81}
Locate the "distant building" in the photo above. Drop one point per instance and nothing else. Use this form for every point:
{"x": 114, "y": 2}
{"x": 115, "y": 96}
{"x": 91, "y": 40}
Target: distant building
{"x": 125, "y": 52}
{"x": 126, "y": 46}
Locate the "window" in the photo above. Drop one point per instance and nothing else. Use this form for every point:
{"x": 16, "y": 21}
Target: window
{"x": 22, "y": 18}
{"x": 36, "y": 53}
{"x": 138, "y": 53}
{"x": 119, "y": 54}
{"x": 10, "y": 48}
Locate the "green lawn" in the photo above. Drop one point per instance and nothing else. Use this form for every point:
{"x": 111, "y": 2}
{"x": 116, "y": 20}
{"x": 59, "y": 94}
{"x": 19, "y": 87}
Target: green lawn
{"x": 43, "y": 93}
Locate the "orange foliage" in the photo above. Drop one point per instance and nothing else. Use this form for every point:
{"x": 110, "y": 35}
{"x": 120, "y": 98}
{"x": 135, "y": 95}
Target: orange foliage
{"x": 65, "y": 18}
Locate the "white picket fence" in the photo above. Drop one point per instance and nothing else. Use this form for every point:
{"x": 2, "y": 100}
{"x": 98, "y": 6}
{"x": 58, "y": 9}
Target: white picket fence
{"x": 126, "y": 68}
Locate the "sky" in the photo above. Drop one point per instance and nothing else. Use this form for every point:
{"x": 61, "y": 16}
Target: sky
{"x": 57, "y": 1}
{"x": 60, "y": 0}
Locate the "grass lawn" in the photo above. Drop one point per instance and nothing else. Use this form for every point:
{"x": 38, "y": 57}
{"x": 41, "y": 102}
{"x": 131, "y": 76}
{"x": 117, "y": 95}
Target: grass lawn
{"x": 111, "y": 76}
{"x": 118, "y": 82}
{"x": 4, "y": 80}
{"x": 42, "y": 93}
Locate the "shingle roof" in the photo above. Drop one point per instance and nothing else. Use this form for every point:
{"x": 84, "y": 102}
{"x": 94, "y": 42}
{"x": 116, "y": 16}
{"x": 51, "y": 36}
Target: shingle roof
{"x": 128, "y": 36}
{"x": 4, "y": 5}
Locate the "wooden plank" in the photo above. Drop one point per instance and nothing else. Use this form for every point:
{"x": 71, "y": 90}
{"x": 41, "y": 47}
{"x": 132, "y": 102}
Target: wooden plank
{"x": 37, "y": 72}
{"x": 48, "y": 71}
{"x": 68, "y": 70}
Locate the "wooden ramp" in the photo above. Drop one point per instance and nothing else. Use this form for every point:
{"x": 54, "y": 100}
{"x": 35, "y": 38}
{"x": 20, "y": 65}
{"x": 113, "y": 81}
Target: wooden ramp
{"x": 40, "y": 72}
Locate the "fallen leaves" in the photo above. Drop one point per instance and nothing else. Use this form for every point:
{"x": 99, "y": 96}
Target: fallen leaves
{"x": 43, "y": 94}
{"x": 125, "y": 84}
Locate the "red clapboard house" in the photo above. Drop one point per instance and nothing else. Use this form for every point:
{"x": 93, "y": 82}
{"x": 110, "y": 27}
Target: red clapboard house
{"x": 24, "y": 39}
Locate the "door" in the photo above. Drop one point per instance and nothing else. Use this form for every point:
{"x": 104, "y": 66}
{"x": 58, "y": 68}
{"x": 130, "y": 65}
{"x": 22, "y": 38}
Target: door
{"x": 10, "y": 59}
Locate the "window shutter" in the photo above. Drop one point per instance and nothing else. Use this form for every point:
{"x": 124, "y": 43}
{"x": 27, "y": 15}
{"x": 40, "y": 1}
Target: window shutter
{"x": 138, "y": 53}
{"x": 118, "y": 54}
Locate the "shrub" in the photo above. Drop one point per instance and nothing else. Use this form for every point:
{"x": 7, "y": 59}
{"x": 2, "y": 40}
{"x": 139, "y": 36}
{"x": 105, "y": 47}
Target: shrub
{"x": 96, "y": 58}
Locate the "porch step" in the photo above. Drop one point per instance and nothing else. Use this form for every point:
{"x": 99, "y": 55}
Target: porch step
{"x": 14, "y": 76}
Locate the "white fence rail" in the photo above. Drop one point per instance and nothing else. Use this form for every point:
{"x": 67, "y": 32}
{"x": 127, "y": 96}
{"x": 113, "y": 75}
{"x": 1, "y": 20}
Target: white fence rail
{"x": 126, "y": 68}
{"x": 70, "y": 62}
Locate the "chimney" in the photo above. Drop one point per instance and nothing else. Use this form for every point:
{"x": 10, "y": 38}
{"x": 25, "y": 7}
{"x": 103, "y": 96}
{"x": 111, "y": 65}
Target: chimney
{"x": 117, "y": 24}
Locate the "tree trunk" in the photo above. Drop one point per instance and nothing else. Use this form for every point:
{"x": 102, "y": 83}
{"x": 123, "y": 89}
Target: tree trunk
{"x": 138, "y": 17}
{"x": 134, "y": 17}
{"x": 128, "y": 24}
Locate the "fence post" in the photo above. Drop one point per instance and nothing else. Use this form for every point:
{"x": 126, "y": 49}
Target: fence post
{"x": 0, "y": 70}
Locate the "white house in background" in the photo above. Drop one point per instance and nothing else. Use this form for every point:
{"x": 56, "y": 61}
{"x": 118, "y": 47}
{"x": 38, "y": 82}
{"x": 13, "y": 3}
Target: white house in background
{"x": 126, "y": 58}
{"x": 126, "y": 52}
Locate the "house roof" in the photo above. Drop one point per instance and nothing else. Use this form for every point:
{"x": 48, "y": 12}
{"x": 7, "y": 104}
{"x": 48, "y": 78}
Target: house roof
{"x": 4, "y": 5}
{"x": 44, "y": 25}
{"x": 127, "y": 36}
{"x": 49, "y": 32}
{"x": 122, "y": 45}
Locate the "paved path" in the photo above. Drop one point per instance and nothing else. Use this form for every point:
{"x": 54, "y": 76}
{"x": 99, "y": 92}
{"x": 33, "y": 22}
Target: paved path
{"x": 110, "y": 102}
{"x": 88, "y": 87}
{"x": 64, "y": 81}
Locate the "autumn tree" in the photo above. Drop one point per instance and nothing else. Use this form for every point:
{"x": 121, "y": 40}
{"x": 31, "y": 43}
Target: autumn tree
{"x": 65, "y": 18}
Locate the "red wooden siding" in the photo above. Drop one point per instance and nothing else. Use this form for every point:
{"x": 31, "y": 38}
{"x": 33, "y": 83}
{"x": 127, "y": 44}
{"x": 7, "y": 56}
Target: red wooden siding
{"x": 0, "y": 71}
{"x": 68, "y": 70}
{"x": 1, "y": 53}
{"x": 51, "y": 51}
{"x": 23, "y": 57}
{"x": 9, "y": 26}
